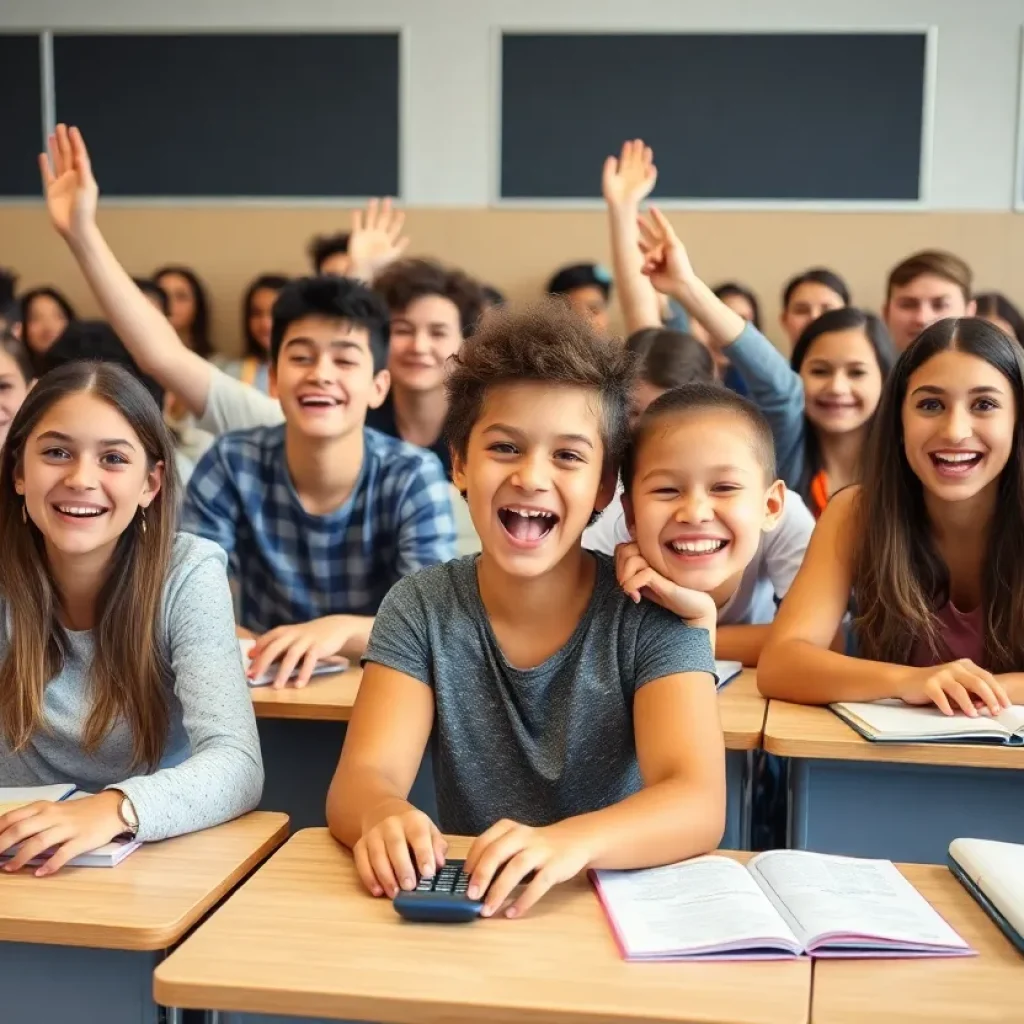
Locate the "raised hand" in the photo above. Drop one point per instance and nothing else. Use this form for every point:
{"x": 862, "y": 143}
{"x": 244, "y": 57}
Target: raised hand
{"x": 666, "y": 261}
{"x": 628, "y": 180}
{"x": 376, "y": 239}
{"x": 68, "y": 184}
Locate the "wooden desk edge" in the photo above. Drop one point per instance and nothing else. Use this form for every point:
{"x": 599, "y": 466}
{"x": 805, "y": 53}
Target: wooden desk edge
{"x": 301, "y": 712}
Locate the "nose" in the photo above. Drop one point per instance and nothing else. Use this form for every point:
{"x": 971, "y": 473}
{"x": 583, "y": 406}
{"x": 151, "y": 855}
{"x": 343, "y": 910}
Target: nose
{"x": 323, "y": 368}
{"x": 420, "y": 342}
{"x": 531, "y": 473}
{"x": 958, "y": 425}
{"x": 694, "y": 507}
{"x": 81, "y": 475}
{"x": 840, "y": 384}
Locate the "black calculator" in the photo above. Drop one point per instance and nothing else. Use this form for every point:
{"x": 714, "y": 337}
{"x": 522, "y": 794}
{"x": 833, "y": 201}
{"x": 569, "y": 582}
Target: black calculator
{"x": 441, "y": 899}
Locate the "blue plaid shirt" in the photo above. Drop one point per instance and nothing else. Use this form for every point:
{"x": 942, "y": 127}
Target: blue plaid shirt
{"x": 293, "y": 566}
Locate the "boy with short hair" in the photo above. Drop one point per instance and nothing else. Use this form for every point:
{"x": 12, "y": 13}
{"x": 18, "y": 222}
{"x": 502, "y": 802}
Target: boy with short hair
{"x": 573, "y": 728}
{"x": 587, "y": 288}
{"x": 928, "y": 286}
{"x": 320, "y": 515}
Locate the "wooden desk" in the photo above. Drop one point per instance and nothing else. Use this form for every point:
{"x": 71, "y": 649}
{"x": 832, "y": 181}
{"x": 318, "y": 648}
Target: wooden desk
{"x": 743, "y": 711}
{"x": 903, "y": 802}
{"x": 303, "y": 938}
{"x": 987, "y": 988}
{"x": 326, "y": 698}
{"x": 90, "y": 937}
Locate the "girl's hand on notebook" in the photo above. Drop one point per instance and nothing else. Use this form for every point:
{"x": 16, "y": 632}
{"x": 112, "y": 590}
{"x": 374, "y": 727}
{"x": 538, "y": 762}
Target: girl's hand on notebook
{"x": 68, "y": 184}
{"x": 958, "y": 686}
{"x": 300, "y": 647}
{"x": 69, "y": 828}
{"x": 382, "y": 853}
{"x": 507, "y": 852}
{"x": 638, "y": 579}
{"x": 666, "y": 261}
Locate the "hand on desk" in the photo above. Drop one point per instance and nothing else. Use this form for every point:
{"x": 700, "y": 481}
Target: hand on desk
{"x": 958, "y": 686}
{"x": 302, "y": 646}
{"x": 382, "y": 855}
{"x": 69, "y": 828}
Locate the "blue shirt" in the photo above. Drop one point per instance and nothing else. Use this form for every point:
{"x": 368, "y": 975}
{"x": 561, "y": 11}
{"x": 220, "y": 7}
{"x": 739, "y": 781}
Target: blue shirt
{"x": 293, "y": 566}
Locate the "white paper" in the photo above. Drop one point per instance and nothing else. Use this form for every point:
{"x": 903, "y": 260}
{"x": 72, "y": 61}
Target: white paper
{"x": 849, "y": 898}
{"x": 326, "y": 667}
{"x": 702, "y": 905}
{"x": 727, "y": 671}
{"x": 12, "y": 796}
{"x": 891, "y": 719}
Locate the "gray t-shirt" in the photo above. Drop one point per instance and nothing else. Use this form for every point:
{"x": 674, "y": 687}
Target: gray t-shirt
{"x": 211, "y": 770}
{"x": 536, "y": 745}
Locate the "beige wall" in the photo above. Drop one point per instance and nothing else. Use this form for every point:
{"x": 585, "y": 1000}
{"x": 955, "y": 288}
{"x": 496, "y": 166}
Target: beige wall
{"x": 516, "y": 249}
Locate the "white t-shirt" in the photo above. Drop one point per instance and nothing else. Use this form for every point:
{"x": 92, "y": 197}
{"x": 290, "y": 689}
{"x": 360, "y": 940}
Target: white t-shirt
{"x": 769, "y": 575}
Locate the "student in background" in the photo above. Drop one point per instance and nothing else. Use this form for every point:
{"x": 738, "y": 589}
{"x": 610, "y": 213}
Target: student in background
{"x": 932, "y": 545}
{"x": 156, "y": 295}
{"x": 925, "y": 287}
{"x": 44, "y": 315}
{"x": 494, "y": 298}
{"x": 683, "y": 489}
{"x": 16, "y": 375}
{"x": 10, "y": 307}
{"x": 587, "y": 287}
{"x": 997, "y": 309}
{"x": 821, "y": 406}
{"x": 807, "y": 296}
{"x": 432, "y": 310}
{"x": 120, "y": 669}
{"x": 189, "y": 308}
{"x": 375, "y": 241}
{"x": 257, "y": 322}
{"x": 518, "y": 659}
{"x": 328, "y": 254}
{"x": 318, "y": 515}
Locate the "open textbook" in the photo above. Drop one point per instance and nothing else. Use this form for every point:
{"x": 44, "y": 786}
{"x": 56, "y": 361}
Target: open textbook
{"x": 784, "y": 903}
{"x": 892, "y": 721}
{"x": 106, "y": 856}
{"x": 993, "y": 873}
{"x": 727, "y": 671}
{"x": 322, "y": 668}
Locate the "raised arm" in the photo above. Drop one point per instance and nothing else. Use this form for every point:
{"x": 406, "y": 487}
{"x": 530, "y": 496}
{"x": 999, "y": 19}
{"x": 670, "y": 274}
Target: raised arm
{"x": 71, "y": 198}
{"x": 625, "y": 183}
{"x": 376, "y": 239}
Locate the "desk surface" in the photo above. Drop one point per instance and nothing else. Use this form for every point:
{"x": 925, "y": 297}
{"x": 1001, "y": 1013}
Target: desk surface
{"x": 147, "y": 902}
{"x": 798, "y": 730}
{"x": 330, "y": 698}
{"x": 987, "y": 987}
{"x": 325, "y": 698}
{"x": 303, "y": 938}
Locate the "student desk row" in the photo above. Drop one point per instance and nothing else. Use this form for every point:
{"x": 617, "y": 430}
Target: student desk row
{"x": 82, "y": 945}
{"x": 302, "y": 938}
{"x": 301, "y": 733}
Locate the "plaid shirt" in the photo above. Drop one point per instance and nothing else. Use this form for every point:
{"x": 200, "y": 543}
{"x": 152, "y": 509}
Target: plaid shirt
{"x": 292, "y": 566}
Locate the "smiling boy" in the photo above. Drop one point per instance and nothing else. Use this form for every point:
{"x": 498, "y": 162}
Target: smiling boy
{"x": 572, "y": 728}
{"x": 925, "y": 287}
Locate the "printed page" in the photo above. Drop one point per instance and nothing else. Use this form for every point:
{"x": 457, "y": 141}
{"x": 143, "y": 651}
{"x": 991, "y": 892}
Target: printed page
{"x": 1013, "y": 719}
{"x": 698, "y": 906}
{"x": 850, "y": 899}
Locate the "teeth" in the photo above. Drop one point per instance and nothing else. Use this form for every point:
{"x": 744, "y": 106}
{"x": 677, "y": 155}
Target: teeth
{"x": 317, "y": 401}
{"x": 79, "y": 510}
{"x": 529, "y": 513}
{"x": 954, "y": 457}
{"x": 697, "y": 547}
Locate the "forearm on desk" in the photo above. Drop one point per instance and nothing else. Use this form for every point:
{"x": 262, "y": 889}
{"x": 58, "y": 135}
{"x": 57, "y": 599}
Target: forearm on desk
{"x": 358, "y": 799}
{"x": 1013, "y": 683}
{"x": 741, "y": 643}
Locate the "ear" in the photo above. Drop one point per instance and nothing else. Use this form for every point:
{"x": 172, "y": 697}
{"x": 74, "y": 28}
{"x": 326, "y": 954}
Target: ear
{"x": 774, "y": 503}
{"x": 972, "y": 308}
{"x": 380, "y": 388}
{"x": 154, "y": 481}
{"x": 606, "y": 491}
{"x": 627, "y": 509}
{"x": 458, "y": 471}
{"x": 19, "y": 479}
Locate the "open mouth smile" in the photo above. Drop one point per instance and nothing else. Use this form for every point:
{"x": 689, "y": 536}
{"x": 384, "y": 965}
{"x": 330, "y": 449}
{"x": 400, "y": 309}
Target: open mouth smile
{"x": 954, "y": 464}
{"x": 79, "y": 512}
{"x": 693, "y": 549}
{"x": 526, "y": 527}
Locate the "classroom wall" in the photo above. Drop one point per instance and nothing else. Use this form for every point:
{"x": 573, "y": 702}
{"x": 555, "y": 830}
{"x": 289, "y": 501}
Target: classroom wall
{"x": 449, "y": 129}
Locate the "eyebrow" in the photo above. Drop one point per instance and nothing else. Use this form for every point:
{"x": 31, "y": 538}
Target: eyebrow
{"x": 105, "y": 442}
{"x": 339, "y": 343}
{"x": 503, "y": 428}
{"x": 724, "y": 469}
{"x": 931, "y": 389}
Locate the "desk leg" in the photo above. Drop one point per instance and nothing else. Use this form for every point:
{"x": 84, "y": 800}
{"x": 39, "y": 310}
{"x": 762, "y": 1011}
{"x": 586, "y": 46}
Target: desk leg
{"x": 739, "y": 765}
{"x": 900, "y": 812}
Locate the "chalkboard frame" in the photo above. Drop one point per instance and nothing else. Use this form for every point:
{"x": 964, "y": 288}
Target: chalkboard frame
{"x": 402, "y": 33}
{"x": 923, "y": 202}
{"x": 1018, "y": 170}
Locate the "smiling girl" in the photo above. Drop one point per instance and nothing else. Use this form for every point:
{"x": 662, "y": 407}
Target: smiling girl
{"x": 933, "y": 550}
{"x": 119, "y": 667}
{"x": 15, "y": 379}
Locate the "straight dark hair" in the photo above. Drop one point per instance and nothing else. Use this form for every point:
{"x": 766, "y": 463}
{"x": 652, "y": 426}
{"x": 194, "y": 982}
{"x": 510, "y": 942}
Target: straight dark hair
{"x": 899, "y": 578}
{"x": 668, "y": 359}
{"x": 269, "y": 282}
{"x": 849, "y": 318}
{"x": 816, "y": 275}
{"x": 200, "y": 329}
{"x": 131, "y": 670}
{"x": 733, "y": 288}
{"x": 997, "y": 304}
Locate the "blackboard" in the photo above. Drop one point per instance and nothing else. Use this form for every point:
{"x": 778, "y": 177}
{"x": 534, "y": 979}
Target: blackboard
{"x": 22, "y": 118}
{"x": 220, "y": 115}
{"x": 775, "y": 117}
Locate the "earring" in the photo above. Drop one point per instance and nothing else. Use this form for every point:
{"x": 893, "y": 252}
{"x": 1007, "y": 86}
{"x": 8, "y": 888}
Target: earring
{"x": 24, "y": 513}
{"x": 142, "y": 516}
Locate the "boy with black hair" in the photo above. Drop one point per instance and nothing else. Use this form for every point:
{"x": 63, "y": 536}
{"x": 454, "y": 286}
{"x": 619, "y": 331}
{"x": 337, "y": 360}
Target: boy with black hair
{"x": 319, "y": 515}
{"x": 328, "y": 254}
{"x": 572, "y": 727}
{"x": 587, "y": 287}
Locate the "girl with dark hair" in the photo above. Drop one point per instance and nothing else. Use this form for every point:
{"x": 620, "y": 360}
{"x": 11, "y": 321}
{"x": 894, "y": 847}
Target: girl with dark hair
{"x": 44, "y": 315}
{"x": 932, "y": 545}
{"x": 257, "y": 321}
{"x": 189, "y": 308}
{"x": 16, "y": 373}
{"x": 997, "y": 309}
{"x": 120, "y": 671}
{"x": 807, "y": 296}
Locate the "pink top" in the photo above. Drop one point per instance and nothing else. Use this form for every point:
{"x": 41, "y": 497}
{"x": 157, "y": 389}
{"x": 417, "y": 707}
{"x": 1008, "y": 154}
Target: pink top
{"x": 961, "y": 635}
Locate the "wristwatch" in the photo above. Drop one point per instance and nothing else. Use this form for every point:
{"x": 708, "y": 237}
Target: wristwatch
{"x": 126, "y": 812}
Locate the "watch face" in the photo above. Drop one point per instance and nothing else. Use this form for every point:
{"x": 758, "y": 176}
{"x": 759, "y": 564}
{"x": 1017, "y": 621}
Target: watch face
{"x": 128, "y": 815}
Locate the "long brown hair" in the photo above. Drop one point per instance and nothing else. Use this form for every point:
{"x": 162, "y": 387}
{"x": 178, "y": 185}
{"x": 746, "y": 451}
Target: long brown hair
{"x": 900, "y": 579}
{"x": 131, "y": 668}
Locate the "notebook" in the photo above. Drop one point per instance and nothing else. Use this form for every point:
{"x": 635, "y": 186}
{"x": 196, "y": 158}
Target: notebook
{"x": 322, "y": 668}
{"x": 993, "y": 873}
{"x": 727, "y": 671}
{"x": 107, "y": 856}
{"x": 892, "y": 721}
{"x": 781, "y": 904}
